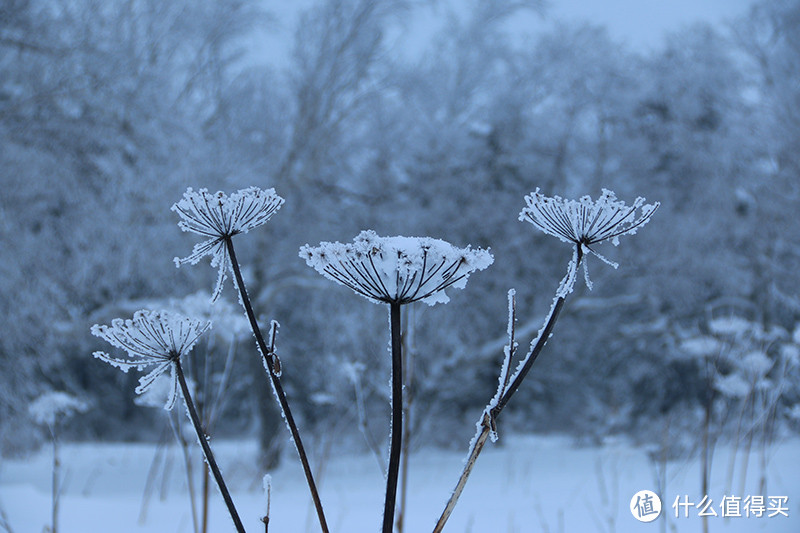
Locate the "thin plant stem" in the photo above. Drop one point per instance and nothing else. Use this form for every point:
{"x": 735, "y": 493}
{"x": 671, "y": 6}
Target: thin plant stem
{"x": 152, "y": 472}
{"x": 408, "y": 377}
{"x": 205, "y": 486}
{"x": 268, "y": 488}
{"x": 266, "y": 353}
{"x": 201, "y": 436}
{"x": 487, "y": 423}
{"x": 362, "y": 424}
{"x": 187, "y": 462}
{"x": 397, "y": 418}
{"x": 56, "y": 495}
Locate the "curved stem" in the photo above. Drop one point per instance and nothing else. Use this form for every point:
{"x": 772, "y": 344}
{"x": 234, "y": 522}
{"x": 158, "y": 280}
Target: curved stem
{"x": 489, "y": 416}
{"x": 397, "y": 418}
{"x": 201, "y": 436}
{"x": 276, "y": 384}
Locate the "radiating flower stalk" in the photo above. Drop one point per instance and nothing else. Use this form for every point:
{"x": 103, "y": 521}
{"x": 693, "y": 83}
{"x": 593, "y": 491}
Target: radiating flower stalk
{"x": 396, "y": 271}
{"x": 581, "y": 223}
{"x": 159, "y": 339}
{"x": 219, "y": 217}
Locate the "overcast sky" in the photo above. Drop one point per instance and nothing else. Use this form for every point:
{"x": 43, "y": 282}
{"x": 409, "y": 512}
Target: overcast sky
{"x": 640, "y": 23}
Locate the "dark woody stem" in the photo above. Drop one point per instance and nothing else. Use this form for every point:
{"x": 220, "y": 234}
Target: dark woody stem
{"x": 201, "y": 436}
{"x": 488, "y": 419}
{"x": 397, "y": 418}
{"x": 276, "y": 385}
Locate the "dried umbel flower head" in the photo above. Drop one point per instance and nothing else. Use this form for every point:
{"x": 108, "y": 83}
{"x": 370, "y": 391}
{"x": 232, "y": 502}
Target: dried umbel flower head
{"x": 396, "y": 269}
{"x": 156, "y": 339}
{"x": 219, "y": 217}
{"x": 585, "y": 222}
{"x": 51, "y": 406}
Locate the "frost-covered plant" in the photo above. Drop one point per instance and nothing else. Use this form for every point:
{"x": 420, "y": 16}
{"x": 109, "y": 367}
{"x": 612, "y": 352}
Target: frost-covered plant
{"x": 747, "y": 367}
{"x": 159, "y": 339}
{"x": 156, "y": 339}
{"x": 396, "y": 271}
{"x": 218, "y": 217}
{"x": 582, "y": 223}
{"x": 210, "y": 376}
{"x": 50, "y": 409}
{"x": 53, "y": 406}
{"x": 586, "y": 222}
{"x": 390, "y": 270}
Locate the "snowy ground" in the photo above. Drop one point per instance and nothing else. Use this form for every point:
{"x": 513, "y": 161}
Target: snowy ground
{"x": 531, "y": 483}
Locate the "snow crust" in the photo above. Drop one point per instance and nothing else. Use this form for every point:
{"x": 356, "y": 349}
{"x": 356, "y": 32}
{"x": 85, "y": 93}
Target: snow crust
{"x": 397, "y": 269}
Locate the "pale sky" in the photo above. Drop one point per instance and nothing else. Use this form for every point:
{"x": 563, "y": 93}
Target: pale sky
{"x": 641, "y": 23}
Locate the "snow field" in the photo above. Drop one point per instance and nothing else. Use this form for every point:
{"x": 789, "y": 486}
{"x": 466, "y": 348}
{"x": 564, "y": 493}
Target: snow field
{"x": 525, "y": 484}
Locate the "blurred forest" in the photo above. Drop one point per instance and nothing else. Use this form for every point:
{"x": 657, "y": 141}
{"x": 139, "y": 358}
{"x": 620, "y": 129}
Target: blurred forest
{"x": 109, "y": 110}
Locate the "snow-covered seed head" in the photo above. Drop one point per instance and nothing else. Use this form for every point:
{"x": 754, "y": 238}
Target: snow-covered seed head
{"x": 218, "y": 217}
{"x": 585, "y": 222}
{"x": 396, "y": 269}
{"x": 54, "y": 405}
{"x": 156, "y": 339}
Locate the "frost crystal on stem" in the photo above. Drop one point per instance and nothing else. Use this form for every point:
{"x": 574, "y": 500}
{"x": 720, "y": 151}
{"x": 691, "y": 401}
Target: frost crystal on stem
{"x": 219, "y": 217}
{"x": 585, "y": 222}
{"x": 155, "y": 339}
{"x": 397, "y": 269}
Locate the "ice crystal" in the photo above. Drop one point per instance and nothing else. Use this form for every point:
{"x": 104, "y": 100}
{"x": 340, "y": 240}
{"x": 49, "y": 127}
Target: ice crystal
{"x": 397, "y": 269}
{"x": 155, "y": 339}
{"x": 585, "y": 222}
{"x": 219, "y": 217}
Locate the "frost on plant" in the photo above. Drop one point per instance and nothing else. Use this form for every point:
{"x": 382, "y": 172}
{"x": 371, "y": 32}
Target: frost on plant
{"x": 218, "y": 217}
{"x": 585, "y": 222}
{"x": 156, "y": 339}
{"x": 397, "y": 269}
{"x": 50, "y": 406}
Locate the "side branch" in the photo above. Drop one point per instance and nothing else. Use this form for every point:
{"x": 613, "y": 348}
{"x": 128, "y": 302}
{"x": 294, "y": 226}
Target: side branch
{"x": 508, "y": 386}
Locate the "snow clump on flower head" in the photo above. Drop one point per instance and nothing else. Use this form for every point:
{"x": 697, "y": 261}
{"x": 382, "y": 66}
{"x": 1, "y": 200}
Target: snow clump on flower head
{"x": 219, "y": 217}
{"x": 52, "y": 405}
{"x": 152, "y": 339}
{"x": 397, "y": 269}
